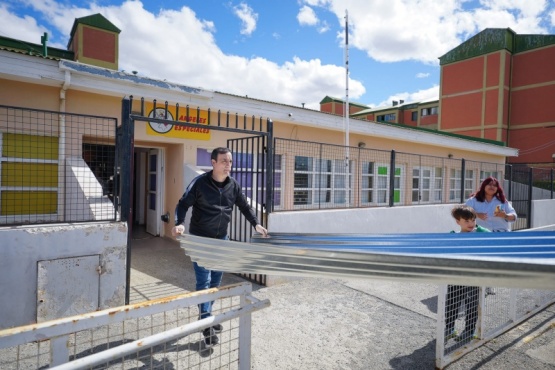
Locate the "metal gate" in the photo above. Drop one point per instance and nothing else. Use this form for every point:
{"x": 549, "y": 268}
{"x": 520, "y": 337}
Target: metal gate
{"x": 253, "y": 170}
{"x": 251, "y": 153}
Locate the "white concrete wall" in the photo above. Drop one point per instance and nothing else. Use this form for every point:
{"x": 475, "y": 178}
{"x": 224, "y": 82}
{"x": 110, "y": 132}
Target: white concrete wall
{"x": 543, "y": 212}
{"x": 85, "y": 199}
{"x": 23, "y": 247}
{"x": 416, "y": 219}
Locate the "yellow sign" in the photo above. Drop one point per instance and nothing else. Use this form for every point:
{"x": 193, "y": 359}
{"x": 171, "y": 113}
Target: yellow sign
{"x": 202, "y": 132}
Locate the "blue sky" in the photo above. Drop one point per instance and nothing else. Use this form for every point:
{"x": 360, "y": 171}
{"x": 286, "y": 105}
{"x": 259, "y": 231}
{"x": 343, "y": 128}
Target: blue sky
{"x": 286, "y": 51}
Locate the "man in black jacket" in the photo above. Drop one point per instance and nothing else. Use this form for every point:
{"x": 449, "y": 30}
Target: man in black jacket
{"x": 212, "y": 196}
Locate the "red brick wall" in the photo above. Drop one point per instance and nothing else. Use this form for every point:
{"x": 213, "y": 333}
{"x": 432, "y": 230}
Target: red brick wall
{"x": 99, "y": 45}
{"x": 461, "y": 111}
{"x": 463, "y": 76}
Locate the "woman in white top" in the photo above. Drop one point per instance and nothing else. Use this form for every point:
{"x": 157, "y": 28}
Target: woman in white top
{"x": 492, "y": 208}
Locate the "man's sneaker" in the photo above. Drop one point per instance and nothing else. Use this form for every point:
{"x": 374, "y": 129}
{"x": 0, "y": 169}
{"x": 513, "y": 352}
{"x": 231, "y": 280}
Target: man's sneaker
{"x": 451, "y": 335}
{"x": 218, "y": 328}
{"x": 210, "y": 337}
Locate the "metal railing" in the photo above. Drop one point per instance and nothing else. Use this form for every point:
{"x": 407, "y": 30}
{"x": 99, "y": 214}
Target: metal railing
{"x": 497, "y": 309}
{"x": 153, "y": 334}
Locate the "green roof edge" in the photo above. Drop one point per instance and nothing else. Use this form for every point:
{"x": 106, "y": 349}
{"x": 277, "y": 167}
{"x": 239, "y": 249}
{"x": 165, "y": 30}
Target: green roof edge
{"x": 495, "y": 39}
{"x": 450, "y": 134}
{"x": 35, "y": 49}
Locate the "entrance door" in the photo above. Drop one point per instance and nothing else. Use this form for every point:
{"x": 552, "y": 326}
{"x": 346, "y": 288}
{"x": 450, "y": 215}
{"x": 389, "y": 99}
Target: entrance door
{"x": 154, "y": 191}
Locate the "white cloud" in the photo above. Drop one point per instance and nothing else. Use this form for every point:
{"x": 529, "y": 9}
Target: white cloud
{"x": 21, "y": 28}
{"x": 177, "y": 46}
{"x": 248, "y": 18}
{"x": 307, "y": 17}
{"x": 324, "y": 27}
{"x": 400, "y": 30}
{"x": 422, "y": 75}
{"x": 408, "y": 97}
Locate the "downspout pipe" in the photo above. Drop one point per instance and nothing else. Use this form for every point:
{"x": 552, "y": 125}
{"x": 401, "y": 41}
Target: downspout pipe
{"x": 62, "y": 148}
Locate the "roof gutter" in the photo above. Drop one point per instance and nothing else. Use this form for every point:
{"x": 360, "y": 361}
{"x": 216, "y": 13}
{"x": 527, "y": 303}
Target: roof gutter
{"x": 62, "y": 146}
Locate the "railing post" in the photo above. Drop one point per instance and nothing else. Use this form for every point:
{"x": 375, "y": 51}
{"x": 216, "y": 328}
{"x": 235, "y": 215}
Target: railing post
{"x": 440, "y": 326}
{"x": 392, "y": 179}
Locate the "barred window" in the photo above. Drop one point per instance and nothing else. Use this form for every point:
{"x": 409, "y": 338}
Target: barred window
{"x": 28, "y": 178}
{"x": 321, "y": 182}
{"x": 427, "y": 185}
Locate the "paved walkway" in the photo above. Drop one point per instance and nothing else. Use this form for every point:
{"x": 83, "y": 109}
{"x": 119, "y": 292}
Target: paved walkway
{"x": 344, "y": 324}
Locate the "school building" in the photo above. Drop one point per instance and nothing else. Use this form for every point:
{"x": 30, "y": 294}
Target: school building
{"x": 310, "y": 157}
{"x": 497, "y": 85}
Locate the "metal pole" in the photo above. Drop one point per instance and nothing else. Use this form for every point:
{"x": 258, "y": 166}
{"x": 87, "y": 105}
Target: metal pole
{"x": 125, "y": 150}
{"x": 347, "y": 145}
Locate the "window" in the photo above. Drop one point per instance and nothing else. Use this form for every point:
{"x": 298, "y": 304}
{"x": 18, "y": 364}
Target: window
{"x": 414, "y": 116}
{"x": 429, "y": 111}
{"x": 455, "y": 185}
{"x": 203, "y": 159}
{"x": 391, "y": 117}
{"x": 248, "y": 170}
{"x": 469, "y": 183}
{"x": 375, "y": 184}
{"x": 485, "y": 174}
{"x": 28, "y": 178}
{"x": 278, "y": 180}
{"x": 321, "y": 182}
{"x": 427, "y": 185}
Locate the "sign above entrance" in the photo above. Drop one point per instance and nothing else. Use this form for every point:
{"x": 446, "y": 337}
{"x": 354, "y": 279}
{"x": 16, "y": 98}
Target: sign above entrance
{"x": 202, "y": 132}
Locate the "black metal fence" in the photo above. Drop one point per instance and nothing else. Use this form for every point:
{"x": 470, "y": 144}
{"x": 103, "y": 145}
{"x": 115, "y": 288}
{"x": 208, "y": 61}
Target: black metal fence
{"x": 55, "y": 167}
{"x": 311, "y": 175}
{"x": 527, "y": 183}
{"x": 60, "y": 167}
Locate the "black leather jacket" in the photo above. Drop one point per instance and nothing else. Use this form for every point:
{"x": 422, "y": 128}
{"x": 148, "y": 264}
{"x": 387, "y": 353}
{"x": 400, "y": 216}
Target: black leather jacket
{"x": 212, "y": 206}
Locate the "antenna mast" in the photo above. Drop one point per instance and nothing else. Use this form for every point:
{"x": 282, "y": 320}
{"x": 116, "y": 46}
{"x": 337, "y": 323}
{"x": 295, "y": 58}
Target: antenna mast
{"x": 347, "y": 170}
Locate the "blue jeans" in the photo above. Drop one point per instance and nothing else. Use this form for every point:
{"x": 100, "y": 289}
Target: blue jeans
{"x": 207, "y": 279}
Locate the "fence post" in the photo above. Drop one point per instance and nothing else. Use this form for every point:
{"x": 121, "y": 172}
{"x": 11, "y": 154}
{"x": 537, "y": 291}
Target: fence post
{"x": 269, "y": 168}
{"x": 463, "y": 171}
{"x": 530, "y": 197}
{"x": 319, "y": 172}
{"x": 440, "y": 326}
{"x": 551, "y": 182}
{"x": 124, "y": 144}
{"x": 509, "y": 172}
{"x": 392, "y": 179}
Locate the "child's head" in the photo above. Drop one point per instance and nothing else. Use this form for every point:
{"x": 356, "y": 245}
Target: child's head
{"x": 465, "y": 217}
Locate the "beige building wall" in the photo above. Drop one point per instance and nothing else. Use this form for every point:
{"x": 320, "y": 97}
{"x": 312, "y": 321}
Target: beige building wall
{"x": 178, "y": 151}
